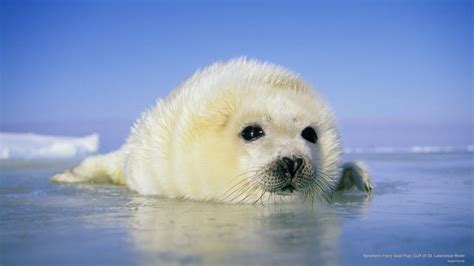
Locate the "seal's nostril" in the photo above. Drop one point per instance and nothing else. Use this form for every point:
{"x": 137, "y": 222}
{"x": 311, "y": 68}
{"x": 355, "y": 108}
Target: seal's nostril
{"x": 292, "y": 165}
{"x": 289, "y": 163}
{"x": 298, "y": 164}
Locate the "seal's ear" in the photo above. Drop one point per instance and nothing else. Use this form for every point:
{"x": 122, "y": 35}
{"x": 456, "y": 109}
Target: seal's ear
{"x": 220, "y": 108}
{"x": 215, "y": 116}
{"x": 355, "y": 174}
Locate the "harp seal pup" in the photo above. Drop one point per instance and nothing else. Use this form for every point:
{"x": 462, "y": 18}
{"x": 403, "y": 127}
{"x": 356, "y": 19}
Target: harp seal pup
{"x": 236, "y": 131}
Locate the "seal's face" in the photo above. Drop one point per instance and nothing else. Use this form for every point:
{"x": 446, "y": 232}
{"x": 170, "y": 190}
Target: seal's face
{"x": 290, "y": 168}
{"x": 285, "y": 144}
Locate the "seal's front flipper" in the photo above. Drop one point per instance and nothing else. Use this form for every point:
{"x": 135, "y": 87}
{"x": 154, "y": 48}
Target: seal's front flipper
{"x": 355, "y": 174}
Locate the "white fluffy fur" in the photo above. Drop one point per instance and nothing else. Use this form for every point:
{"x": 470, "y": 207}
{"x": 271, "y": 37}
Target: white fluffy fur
{"x": 188, "y": 145}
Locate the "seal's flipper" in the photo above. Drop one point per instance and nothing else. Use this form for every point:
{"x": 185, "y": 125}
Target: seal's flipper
{"x": 355, "y": 174}
{"x": 98, "y": 168}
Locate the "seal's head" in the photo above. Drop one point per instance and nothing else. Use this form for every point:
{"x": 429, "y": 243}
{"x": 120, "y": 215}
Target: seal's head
{"x": 262, "y": 134}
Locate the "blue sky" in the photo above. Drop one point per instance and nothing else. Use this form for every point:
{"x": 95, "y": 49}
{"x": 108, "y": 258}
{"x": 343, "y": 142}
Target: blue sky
{"x": 396, "y": 73}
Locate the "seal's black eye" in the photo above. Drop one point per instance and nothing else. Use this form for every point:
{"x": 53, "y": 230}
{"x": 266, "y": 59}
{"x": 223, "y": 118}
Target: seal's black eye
{"x": 251, "y": 133}
{"x": 309, "y": 134}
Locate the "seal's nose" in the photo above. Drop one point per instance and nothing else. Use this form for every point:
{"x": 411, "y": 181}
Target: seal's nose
{"x": 292, "y": 165}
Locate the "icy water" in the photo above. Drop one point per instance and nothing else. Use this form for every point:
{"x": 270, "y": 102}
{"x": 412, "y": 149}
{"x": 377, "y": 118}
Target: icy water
{"x": 420, "y": 214}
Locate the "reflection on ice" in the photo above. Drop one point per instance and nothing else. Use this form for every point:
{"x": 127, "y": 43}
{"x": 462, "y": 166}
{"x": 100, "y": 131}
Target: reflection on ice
{"x": 179, "y": 231}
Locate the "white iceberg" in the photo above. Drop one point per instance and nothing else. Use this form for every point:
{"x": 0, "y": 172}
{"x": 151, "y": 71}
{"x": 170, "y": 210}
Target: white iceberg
{"x": 28, "y": 146}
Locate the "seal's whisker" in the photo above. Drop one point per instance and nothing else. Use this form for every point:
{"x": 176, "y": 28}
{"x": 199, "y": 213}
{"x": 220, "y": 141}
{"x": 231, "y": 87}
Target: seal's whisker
{"x": 254, "y": 170}
{"x": 243, "y": 174}
{"x": 323, "y": 174}
{"x": 316, "y": 186}
{"x": 259, "y": 198}
{"x": 235, "y": 187}
{"x": 232, "y": 189}
{"x": 253, "y": 189}
{"x": 308, "y": 193}
{"x": 314, "y": 194}
{"x": 321, "y": 187}
{"x": 325, "y": 193}
{"x": 237, "y": 192}
{"x": 248, "y": 189}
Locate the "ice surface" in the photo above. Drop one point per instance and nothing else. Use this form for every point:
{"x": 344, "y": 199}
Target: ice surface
{"x": 421, "y": 213}
{"x": 28, "y": 146}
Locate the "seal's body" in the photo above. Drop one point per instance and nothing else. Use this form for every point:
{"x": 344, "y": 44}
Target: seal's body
{"x": 239, "y": 131}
